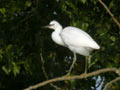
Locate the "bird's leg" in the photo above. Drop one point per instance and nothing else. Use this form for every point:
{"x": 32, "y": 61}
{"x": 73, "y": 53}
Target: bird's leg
{"x": 74, "y": 60}
{"x": 86, "y": 60}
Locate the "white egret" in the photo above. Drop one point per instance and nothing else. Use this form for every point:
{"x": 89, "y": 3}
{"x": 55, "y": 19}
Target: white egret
{"x": 73, "y": 38}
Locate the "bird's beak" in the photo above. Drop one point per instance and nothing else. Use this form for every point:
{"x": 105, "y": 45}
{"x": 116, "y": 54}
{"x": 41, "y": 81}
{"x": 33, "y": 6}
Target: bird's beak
{"x": 48, "y": 26}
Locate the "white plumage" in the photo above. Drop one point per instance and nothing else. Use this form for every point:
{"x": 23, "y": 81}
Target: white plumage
{"x": 73, "y": 38}
{"x": 78, "y": 41}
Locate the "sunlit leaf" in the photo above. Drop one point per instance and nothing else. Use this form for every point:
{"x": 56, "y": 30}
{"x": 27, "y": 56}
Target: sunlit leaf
{"x": 28, "y": 4}
{"x": 6, "y": 70}
{"x": 3, "y": 11}
{"x": 83, "y": 1}
{"x": 16, "y": 68}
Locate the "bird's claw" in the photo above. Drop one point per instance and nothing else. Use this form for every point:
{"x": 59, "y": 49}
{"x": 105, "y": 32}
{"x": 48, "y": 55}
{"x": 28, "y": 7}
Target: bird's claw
{"x": 68, "y": 74}
{"x": 85, "y": 75}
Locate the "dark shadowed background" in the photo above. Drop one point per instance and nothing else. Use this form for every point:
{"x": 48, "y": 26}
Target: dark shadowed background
{"x": 22, "y": 40}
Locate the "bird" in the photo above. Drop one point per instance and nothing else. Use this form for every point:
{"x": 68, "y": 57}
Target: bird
{"x": 75, "y": 39}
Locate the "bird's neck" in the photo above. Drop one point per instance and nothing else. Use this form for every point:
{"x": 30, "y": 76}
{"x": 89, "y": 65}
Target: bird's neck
{"x": 57, "y": 39}
{"x": 58, "y": 29}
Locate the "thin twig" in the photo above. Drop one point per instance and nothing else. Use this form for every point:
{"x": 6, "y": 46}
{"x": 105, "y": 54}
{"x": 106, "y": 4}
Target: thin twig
{"x": 109, "y": 12}
{"x": 44, "y": 72}
{"x": 43, "y": 68}
{"x": 64, "y": 78}
{"x": 111, "y": 82}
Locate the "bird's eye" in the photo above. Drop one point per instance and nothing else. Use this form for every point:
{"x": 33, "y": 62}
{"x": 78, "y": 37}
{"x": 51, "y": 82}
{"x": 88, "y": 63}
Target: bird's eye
{"x": 51, "y": 24}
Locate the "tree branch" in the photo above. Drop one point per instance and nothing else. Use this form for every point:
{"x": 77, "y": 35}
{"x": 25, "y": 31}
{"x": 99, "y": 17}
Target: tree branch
{"x": 109, "y": 12}
{"x": 109, "y": 83}
{"x": 63, "y": 78}
{"x": 45, "y": 73}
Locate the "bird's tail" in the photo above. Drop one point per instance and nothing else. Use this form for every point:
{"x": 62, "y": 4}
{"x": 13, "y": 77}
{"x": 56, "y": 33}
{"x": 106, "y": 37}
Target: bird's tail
{"x": 96, "y": 46}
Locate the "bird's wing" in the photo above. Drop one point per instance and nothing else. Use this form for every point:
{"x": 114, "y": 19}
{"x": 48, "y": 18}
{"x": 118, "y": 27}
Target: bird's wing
{"x": 75, "y": 37}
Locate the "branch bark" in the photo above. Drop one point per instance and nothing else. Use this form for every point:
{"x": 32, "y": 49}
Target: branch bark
{"x": 82, "y": 76}
{"x": 109, "y": 83}
{"x": 109, "y": 12}
{"x": 45, "y": 73}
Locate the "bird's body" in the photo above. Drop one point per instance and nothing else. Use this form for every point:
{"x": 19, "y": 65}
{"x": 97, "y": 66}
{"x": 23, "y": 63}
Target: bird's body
{"x": 78, "y": 41}
{"x": 73, "y": 38}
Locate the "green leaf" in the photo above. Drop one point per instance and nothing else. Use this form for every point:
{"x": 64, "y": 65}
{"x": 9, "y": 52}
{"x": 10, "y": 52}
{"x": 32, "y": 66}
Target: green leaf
{"x": 3, "y": 10}
{"x": 113, "y": 38}
{"x": 16, "y": 68}
{"x": 7, "y": 71}
{"x": 111, "y": 5}
{"x": 28, "y": 4}
{"x": 83, "y": 1}
{"x": 94, "y": 1}
{"x": 1, "y": 56}
{"x": 9, "y": 47}
{"x": 73, "y": 82}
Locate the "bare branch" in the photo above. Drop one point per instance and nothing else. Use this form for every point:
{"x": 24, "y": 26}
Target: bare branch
{"x": 109, "y": 12}
{"x": 109, "y": 83}
{"x": 64, "y": 78}
{"x": 44, "y": 72}
{"x": 43, "y": 68}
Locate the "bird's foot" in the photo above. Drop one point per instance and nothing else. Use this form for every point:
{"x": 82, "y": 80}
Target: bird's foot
{"x": 68, "y": 74}
{"x": 85, "y": 75}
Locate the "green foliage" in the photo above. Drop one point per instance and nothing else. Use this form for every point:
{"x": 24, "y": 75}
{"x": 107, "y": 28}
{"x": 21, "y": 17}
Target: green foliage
{"x": 22, "y": 40}
{"x": 83, "y": 1}
{"x": 28, "y": 3}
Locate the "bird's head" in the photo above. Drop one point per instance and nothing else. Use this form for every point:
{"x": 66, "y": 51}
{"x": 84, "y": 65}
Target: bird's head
{"x": 53, "y": 25}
